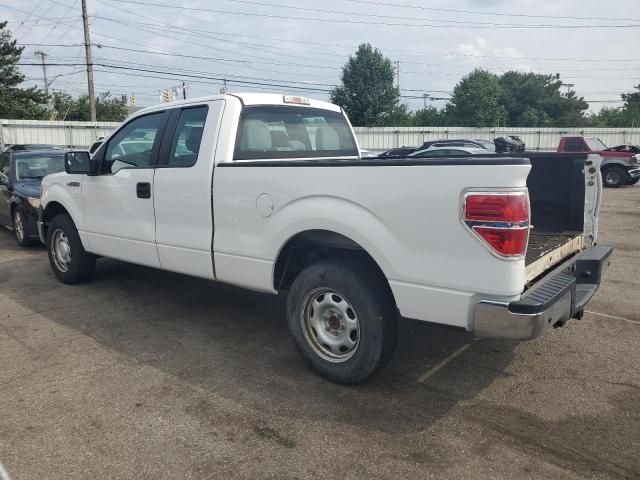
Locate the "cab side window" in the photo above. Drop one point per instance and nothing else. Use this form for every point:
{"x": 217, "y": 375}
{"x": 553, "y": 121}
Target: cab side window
{"x": 188, "y": 137}
{"x": 132, "y": 146}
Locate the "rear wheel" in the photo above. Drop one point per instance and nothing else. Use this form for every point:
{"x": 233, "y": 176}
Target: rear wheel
{"x": 69, "y": 260}
{"x": 615, "y": 177}
{"x": 343, "y": 319}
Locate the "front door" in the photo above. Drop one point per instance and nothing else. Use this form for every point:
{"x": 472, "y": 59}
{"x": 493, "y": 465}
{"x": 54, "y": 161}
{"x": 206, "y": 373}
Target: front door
{"x": 119, "y": 214}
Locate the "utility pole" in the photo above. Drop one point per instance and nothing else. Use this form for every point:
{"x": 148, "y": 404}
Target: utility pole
{"x": 569, "y": 87}
{"x": 398, "y": 74}
{"x": 89, "y": 62}
{"x": 425, "y": 97}
{"x": 42, "y": 55}
{"x": 184, "y": 90}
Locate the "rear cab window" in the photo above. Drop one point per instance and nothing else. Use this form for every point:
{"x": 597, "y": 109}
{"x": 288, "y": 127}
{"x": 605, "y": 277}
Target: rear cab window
{"x": 574, "y": 145}
{"x": 282, "y": 132}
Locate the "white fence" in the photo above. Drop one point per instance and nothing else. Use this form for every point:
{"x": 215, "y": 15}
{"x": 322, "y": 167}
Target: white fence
{"x": 83, "y": 134}
{"x": 379, "y": 139}
{"x": 66, "y": 134}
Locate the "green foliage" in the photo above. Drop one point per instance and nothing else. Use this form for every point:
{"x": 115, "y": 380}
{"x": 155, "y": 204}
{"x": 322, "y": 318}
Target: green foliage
{"x": 16, "y": 103}
{"x": 626, "y": 116}
{"x": 429, "y": 117}
{"x": 108, "y": 109}
{"x": 480, "y": 99}
{"x": 367, "y": 93}
{"x": 476, "y": 101}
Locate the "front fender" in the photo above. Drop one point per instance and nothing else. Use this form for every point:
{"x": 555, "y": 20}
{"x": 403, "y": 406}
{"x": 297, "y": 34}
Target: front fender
{"x": 620, "y": 161}
{"x": 56, "y": 193}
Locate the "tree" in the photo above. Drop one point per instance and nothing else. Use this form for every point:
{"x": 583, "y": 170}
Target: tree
{"x": 16, "y": 103}
{"x": 523, "y": 95}
{"x": 429, "y": 117}
{"x": 108, "y": 109}
{"x": 475, "y": 101}
{"x": 626, "y": 116}
{"x": 367, "y": 93}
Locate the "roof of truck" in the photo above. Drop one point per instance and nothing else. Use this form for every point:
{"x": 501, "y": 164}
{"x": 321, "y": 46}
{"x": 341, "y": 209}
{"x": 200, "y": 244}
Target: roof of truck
{"x": 250, "y": 99}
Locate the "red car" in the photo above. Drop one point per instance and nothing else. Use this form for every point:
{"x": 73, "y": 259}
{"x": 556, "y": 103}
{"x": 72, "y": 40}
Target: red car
{"x": 619, "y": 165}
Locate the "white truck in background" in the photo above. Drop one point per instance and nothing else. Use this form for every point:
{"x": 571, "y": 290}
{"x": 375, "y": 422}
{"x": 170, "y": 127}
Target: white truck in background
{"x": 269, "y": 193}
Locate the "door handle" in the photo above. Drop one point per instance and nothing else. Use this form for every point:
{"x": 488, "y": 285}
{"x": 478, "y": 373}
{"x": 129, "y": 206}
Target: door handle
{"x": 143, "y": 190}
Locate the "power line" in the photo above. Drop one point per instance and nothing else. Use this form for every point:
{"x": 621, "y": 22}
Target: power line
{"x": 170, "y": 75}
{"x": 40, "y": 17}
{"x": 351, "y": 47}
{"x": 476, "y": 12}
{"x": 58, "y": 23}
{"x": 360, "y": 22}
{"x": 387, "y": 16}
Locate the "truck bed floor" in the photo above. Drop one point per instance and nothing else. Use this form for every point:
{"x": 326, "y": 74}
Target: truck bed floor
{"x": 547, "y": 249}
{"x": 542, "y": 243}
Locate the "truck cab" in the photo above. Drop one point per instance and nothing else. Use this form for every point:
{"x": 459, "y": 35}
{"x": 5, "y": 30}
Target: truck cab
{"x": 619, "y": 167}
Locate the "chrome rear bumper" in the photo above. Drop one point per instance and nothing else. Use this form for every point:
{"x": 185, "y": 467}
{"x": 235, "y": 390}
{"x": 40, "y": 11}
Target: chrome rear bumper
{"x": 562, "y": 294}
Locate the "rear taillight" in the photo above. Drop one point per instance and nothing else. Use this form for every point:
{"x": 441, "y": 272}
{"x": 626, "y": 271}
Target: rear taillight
{"x": 499, "y": 219}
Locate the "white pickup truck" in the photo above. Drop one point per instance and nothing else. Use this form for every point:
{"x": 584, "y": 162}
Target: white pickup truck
{"x": 270, "y": 193}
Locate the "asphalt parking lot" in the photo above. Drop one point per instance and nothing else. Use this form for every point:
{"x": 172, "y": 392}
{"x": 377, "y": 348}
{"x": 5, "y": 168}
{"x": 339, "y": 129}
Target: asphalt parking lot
{"x": 151, "y": 375}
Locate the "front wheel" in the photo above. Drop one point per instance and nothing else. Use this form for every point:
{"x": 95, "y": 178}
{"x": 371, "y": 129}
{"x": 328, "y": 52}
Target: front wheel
{"x": 68, "y": 259}
{"x": 21, "y": 228}
{"x": 343, "y": 319}
{"x": 614, "y": 177}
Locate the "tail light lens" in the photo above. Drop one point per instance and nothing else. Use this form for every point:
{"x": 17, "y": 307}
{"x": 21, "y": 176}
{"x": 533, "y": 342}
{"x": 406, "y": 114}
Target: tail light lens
{"x": 499, "y": 220}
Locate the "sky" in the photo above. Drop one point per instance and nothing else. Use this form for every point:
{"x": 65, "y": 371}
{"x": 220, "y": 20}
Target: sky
{"x": 299, "y": 47}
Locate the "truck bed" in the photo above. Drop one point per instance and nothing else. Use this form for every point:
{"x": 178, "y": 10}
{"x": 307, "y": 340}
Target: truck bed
{"x": 545, "y": 249}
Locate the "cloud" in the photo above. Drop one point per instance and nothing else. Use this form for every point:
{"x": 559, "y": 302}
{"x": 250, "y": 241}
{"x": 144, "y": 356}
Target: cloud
{"x": 480, "y": 49}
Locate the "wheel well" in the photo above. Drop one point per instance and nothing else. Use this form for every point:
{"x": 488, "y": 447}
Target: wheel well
{"x": 52, "y": 210}
{"x": 311, "y": 246}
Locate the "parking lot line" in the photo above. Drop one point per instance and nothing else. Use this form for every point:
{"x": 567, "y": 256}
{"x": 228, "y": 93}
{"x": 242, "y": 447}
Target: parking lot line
{"x": 3, "y": 473}
{"x": 429, "y": 373}
{"x": 613, "y": 316}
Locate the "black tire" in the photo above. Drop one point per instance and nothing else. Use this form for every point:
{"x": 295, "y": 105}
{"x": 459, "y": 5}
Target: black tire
{"x": 633, "y": 181}
{"x": 614, "y": 177}
{"x": 21, "y": 230}
{"x": 81, "y": 265}
{"x": 365, "y": 291}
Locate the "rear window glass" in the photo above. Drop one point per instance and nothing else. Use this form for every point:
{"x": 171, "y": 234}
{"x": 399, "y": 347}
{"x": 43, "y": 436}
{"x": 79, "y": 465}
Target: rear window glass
{"x": 573, "y": 145}
{"x": 273, "y": 132}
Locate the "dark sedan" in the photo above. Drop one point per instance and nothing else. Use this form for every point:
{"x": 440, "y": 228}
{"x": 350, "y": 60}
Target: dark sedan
{"x": 20, "y": 176}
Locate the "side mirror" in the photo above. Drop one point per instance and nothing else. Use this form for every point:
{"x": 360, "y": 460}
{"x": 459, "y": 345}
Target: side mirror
{"x": 78, "y": 162}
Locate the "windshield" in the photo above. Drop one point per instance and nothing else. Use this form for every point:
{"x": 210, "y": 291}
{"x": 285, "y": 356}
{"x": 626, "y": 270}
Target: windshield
{"x": 37, "y": 166}
{"x": 595, "y": 144}
{"x": 293, "y": 132}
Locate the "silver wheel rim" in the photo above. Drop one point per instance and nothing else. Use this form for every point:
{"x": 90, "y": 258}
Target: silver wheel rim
{"x": 330, "y": 325}
{"x": 61, "y": 250}
{"x": 612, "y": 178}
{"x": 18, "y": 226}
